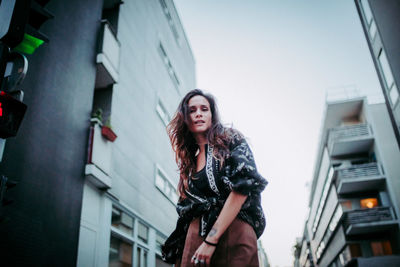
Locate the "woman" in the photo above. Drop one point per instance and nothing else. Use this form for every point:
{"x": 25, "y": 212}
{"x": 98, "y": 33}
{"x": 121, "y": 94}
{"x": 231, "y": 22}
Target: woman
{"x": 220, "y": 214}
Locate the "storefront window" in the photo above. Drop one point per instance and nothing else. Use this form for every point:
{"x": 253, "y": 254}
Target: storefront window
{"x": 122, "y": 221}
{"x": 143, "y": 232}
{"x": 120, "y": 253}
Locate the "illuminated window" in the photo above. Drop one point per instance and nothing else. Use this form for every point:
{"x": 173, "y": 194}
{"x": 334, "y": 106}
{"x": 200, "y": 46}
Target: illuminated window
{"x": 368, "y": 203}
{"x": 381, "y": 248}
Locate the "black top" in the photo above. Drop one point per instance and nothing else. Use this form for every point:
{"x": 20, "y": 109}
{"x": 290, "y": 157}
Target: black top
{"x": 209, "y": 190}
{"x": 199, "y": 181}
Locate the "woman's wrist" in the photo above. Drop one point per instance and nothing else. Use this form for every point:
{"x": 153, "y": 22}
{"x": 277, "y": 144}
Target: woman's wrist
{"x": 212, "y": 236}
{"x": 214, "y": 244}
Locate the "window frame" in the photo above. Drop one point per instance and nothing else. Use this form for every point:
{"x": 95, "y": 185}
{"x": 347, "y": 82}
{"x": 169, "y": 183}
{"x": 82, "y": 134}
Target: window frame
{"x": 167, "y": 184}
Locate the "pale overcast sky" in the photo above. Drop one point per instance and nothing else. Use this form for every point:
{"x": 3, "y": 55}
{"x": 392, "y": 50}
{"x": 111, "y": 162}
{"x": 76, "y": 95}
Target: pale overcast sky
{"x": 269, "y": 63}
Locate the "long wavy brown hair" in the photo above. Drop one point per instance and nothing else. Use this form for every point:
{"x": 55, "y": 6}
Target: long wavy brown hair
{"x": 184, "y": 144}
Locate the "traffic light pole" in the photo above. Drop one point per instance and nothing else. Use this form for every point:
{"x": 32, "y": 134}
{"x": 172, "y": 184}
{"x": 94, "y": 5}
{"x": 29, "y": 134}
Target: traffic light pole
{"x": 4, "y": 51}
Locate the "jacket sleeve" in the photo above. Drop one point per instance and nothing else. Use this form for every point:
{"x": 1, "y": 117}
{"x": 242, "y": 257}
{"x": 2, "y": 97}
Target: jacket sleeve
{"x": 240, "y": 169}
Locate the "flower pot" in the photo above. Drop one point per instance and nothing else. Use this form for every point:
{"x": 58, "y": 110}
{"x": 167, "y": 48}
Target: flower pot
{"x": 108, "y": 133}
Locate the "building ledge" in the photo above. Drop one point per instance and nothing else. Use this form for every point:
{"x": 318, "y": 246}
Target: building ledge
{"x": 360, "y": 184}
{"x": 97, "y": 177}
{"x": 388, "y": 261}
{"x": 371, "y": 227}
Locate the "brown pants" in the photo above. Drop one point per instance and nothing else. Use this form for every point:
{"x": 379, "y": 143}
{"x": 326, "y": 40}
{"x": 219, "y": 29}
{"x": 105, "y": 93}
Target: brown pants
{"x": 237, "y": 247}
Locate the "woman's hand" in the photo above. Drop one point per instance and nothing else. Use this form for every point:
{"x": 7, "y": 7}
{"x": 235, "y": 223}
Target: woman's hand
{"x": 203, "y": 254}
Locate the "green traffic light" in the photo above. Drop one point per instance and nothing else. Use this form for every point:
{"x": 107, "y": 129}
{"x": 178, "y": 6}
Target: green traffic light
{"x": 29, "y": 44}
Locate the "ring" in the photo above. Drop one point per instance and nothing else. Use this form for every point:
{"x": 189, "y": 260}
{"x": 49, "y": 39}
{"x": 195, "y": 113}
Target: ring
{"x": 196, "y": 261}
{"x": 202, "y": 261}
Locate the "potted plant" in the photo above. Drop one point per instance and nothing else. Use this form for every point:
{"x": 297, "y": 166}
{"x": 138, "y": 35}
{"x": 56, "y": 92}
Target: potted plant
{"x": 97, "y": 116}
{"x": 107, "y": 131}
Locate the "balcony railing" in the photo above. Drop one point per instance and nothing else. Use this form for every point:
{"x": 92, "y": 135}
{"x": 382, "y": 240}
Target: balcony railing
{"x": 358, "y": 178}
{"x": 350, "y": 139}
{"x": 368, "y": 220}
{"x": 99, "y": 157}
{"x": 108, "y": 57}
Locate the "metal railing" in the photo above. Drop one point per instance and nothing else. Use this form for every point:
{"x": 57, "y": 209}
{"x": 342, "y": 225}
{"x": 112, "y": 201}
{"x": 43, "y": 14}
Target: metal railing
{"x": 349, "y": 131}
{"x": 360, "y": 170}
{"x": 367, "y": 215}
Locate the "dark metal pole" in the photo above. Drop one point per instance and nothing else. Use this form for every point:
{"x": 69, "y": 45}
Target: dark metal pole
{"x": 4, "y": 51}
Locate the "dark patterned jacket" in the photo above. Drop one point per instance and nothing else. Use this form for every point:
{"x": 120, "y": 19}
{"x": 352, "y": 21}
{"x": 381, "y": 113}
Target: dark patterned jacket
{"x": 238, "y": 174}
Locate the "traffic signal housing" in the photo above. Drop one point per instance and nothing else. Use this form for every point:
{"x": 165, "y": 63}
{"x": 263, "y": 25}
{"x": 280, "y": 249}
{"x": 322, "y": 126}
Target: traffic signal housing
{"x": 12, "y": 112}
{"x": 21, "y": 30}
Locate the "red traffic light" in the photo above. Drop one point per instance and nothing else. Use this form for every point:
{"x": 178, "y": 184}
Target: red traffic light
{"x": 12, "y": 112}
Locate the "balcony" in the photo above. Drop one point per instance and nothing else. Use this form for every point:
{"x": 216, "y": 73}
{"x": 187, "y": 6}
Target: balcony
{"x": 391, "y": 260}
{"x": 108, "y": 57}
{"x": 350, "y": 139}
{"x": 363, "y": 221}
{"x": 359, "y": 178}
{"x": 352, "y": 256}
{"x": 99, "y": 157}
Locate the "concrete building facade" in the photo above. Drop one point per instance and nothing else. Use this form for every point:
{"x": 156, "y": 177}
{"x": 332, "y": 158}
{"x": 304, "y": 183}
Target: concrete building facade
{"x": 381, "y": 23}
{"x": 130, "y": 194}
{"x": 84, "y": 199}
{"x": 354, "y": 202}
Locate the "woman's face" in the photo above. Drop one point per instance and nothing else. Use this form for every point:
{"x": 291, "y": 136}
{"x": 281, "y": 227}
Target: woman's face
{"x": 200, "y": 114}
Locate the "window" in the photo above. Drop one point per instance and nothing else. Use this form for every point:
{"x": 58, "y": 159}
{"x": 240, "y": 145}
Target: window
{"x": 122, "y": 221}
{"x": 381, "y": 248}
{"x": 171, "y": 22}
{"x": 165, "y": 186}
{"x": 159, "y": 242}
{"x": 143, "y": 232}
{"x": 111, "y": 13}
{"x": 337, "y": 215}
{"x": 394, "y": 95}
{"x": 369, "y": 19}
{"x": 349, "y": 252}
{"x": 161, "y": 263}
{"x": 120, "y": 253}
{"x": 323, "y": 199}
{"x": 368, "y": 203}
{"x": 132, "y": 239}
{"x": 141, "y": 257}
{"x": 346, "y": 205}
{"x": 168, "y": 65}
{"x": 367, "y": 11}
{"x": 162, "y": 112}
{"x": 388, "y": 77}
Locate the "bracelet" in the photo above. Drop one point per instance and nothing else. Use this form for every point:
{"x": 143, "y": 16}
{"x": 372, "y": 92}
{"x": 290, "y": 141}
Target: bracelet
{"x": 211, "y": 244}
